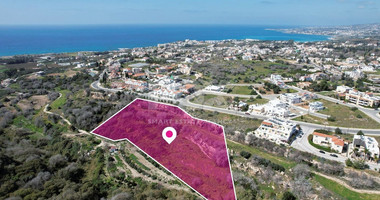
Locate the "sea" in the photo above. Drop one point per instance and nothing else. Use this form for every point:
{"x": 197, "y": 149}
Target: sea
{"x": 18, "y": 40}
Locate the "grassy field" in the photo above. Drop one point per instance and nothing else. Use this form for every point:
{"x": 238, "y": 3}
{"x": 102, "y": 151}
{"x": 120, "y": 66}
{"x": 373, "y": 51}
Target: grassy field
{"x": 2, "y": 68}
{"x": 257, "y": 101}
{"x": 327, "y": 93}
{"x": 342, "y": 191}
{"x": 245, "y": 90}
{"x": 288, "y": 90}
{"x": 60, "y": 101}
{"x": 344, "y": 117}
{"x": 21, "y": 121}
{"x": 275, "y": 159}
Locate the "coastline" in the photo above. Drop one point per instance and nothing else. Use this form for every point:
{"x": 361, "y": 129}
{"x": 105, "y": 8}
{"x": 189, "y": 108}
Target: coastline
{"x": 43, "y": 40}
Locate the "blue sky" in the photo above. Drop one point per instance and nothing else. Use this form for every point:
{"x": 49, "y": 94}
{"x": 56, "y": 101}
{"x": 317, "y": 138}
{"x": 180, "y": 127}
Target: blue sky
{"x": 256, "y": 12}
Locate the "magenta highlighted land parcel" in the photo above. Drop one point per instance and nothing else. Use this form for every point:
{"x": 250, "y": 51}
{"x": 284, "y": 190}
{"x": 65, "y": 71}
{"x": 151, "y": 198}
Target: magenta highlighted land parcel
{"x": 192, "y": 149}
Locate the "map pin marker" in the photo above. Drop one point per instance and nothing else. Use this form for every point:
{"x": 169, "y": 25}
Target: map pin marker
{"x": 169, "y": 134}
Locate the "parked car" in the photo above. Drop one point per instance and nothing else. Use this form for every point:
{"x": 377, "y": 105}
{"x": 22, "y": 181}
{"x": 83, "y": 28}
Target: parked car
{"x": 321, "y": 151}
{"x": 334, "y": 155}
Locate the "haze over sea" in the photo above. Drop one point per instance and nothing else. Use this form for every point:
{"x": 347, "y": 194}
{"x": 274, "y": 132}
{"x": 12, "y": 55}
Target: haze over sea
{"x": 16, "y": 40}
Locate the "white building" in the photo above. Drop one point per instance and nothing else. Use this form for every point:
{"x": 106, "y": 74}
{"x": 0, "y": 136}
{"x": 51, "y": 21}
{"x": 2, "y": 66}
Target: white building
{"x": 290, "y": 98}
{"x": 333, "y": 142}
{"x": 276, "y": 130}
{"x": 343, "y": 89}
{"x": 184, "y": 69}
{"x": 214, "y": 88}
{"x": 277, "y": 80}
{"x": 167, "y": 93}
{"x": 355, "y": 74}
{"x": 364, "y": 142}
{"x": 275, "y": 108}
{"x": 316, "y": 106}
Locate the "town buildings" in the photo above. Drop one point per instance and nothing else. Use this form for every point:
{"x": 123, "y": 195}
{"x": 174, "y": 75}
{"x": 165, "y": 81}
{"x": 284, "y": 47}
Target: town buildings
{"x": 356, "y": 97}
{"x": 276, "y": 130}
{"x": 362, "y": 98}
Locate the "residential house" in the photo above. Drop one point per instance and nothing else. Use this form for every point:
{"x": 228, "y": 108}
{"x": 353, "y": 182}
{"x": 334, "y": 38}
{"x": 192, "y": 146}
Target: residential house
{"x": 316, "y": 106}
{"x": 333, "y": 142}
{"x": 290, "y": 98}
{"x": 363, "y": 143}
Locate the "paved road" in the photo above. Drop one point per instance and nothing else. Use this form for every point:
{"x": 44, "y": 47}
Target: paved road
{"x": 96, "y": 85}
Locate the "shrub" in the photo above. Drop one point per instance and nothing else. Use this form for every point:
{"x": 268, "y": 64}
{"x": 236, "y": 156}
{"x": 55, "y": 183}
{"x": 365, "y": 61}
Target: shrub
{"x": 245, "y": 154}
{"x": 331, "y": 119}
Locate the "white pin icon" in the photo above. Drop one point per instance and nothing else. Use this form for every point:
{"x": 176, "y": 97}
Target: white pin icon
{"x": 169, "y": 134}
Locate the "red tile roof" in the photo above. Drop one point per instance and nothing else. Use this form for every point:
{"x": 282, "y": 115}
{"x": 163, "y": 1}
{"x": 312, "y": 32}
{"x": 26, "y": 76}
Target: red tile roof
{"x": 267, "y": 123}
{"x": 334, "y": 139}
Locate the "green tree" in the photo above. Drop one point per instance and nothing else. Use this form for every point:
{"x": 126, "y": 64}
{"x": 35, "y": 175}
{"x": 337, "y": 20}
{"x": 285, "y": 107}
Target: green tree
{"x": 338, "y": 131}
{"x": 360, "y": 133}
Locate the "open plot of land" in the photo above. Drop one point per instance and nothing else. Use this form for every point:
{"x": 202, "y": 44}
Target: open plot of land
{"x": 252, "y": 70}
{"x": 68, "y": 73}
{"x": 36, "y": 102}
{"x": 327, "y": 93}
{"x": 237, "y": 147}
{"x": 344, "y": 117}
{"x": 212, "y": 100}
{"x": 343, "y": 191}
{"x": 223, "y": 101}
{"x": 257, "y": 101}
{"x": 190, "y": 155}
{"x": 228, "y": 121}
{"x": 245, "y": 90}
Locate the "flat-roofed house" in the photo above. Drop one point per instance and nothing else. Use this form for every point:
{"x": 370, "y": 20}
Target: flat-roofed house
{"x": 364, "y": 142}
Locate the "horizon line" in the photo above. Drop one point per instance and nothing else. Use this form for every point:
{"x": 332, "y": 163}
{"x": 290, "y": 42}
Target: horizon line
{"x": 189, "y": 24}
